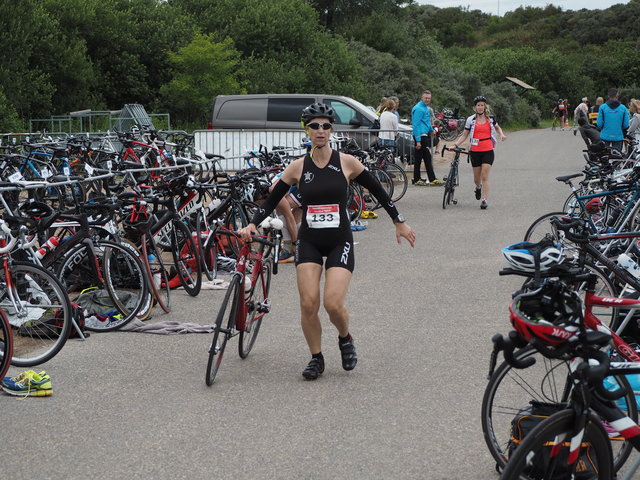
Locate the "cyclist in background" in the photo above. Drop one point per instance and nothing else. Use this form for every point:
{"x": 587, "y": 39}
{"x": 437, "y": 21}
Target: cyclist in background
{"x": 483, "y": 130}
{"x": 323, "y": 176}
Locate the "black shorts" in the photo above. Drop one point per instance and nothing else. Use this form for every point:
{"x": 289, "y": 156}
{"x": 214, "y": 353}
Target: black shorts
{"x": 480, "y": 158}
{"x": 338, "y": 254}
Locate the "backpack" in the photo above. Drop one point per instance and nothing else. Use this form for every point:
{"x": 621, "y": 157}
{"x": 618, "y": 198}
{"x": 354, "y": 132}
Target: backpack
{"x": 526, "y": 420}
{"x": 376, "y": 124}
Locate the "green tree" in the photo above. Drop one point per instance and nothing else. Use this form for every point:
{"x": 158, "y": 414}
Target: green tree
{"x": 203, "y": 69}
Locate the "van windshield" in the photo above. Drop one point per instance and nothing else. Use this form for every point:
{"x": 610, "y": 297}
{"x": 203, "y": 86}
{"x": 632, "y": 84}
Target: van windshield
{"x": 346, "y": 113}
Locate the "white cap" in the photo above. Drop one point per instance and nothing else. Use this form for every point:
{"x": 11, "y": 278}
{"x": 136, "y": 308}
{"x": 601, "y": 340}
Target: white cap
{"x": 585, "y": 99}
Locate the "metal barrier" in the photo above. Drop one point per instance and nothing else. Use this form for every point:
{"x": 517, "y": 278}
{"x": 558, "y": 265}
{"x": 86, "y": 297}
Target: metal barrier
{"x": 234, "y": 144}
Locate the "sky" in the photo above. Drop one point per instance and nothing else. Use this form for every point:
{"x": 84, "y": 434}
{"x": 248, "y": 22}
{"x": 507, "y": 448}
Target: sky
{"x": 500, "y": 7}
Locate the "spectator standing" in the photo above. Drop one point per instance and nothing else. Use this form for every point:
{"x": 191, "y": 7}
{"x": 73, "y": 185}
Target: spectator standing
{"x": 483, "y": 130}
{"x": 613, "y": 120}
{"x": 381, "y": 107}
{"x": 581, "y": 111}
{"x": 634, "y": 123}
{"x": 396, "y": 100}
{"x": 593, "y": 113}
{"x": 388, "y": 124}
{"x": 422, "y": 131}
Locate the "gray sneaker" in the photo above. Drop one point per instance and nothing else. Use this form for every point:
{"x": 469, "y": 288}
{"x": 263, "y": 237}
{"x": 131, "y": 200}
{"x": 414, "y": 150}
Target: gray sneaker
{"x": 483, "y": 205}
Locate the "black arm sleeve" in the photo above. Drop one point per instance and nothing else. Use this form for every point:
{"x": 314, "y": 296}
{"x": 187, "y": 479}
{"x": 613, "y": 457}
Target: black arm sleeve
{"x": 372, "y": 184}
{"x": 279, "y": 191}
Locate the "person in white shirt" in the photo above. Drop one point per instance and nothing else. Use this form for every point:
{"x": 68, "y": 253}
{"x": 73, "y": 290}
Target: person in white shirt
{"x": 581, "y": 110}
{"x": 634, "y": 124}
{"x": 388, "y": 124}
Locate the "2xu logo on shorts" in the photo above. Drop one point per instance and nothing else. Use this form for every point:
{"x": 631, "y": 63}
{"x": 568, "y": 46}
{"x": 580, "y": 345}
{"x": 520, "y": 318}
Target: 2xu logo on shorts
{"x": 345, "y": 253}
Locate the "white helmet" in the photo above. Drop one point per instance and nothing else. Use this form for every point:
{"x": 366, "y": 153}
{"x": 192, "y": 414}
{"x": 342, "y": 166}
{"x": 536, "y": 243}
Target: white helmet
{"x": 522, "y": 256}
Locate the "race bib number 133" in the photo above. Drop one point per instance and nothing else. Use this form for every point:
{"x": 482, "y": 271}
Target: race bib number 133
{"x": 323, "y": 216}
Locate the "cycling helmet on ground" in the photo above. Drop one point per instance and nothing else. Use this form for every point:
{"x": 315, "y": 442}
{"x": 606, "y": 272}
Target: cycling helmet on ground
{"x": 479, "y": 98}
{"x": 318, "y": 110}
{"x": 531, "y": 257}
{"x": 551, "y": 314}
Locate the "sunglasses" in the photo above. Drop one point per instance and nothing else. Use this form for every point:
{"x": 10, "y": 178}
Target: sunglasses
{"x": 316, "y": 126}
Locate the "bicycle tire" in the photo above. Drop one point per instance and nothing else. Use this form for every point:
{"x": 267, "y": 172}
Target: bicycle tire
{"x": 399, "y": 179}
{"x": 355, "y": 203}
{"x": 38, "y": 333}
{"x": 186, "y": 258}
{"x": 6, "y": 344}
{"x": 206, "y": 249}
{"x": 386, "y": 182}
{"x": 157, "y": 276}
{"x": 125, "y": 278}
{"x": 449, "y": 135}
{"x": 510, "y": 389}
{"x": 259, "y": 294}
{"x": 446, "y": 197}
{"x": 227, "y": 311}
{"x": 558, "y": 426}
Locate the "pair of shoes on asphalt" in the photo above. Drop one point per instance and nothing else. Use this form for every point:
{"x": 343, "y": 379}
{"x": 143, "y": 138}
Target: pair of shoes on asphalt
{"x": 356, "y": 226}
{"x": 368, "y": 214}
{"x": 425, "y": 183}
{"x": 286, "y": 257}
{"x": 28, "y": 384}
{"x": 315, "y": 367}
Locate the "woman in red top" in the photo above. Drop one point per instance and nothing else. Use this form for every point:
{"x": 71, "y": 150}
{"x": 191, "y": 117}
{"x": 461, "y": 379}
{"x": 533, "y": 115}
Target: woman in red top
{"x": 483, "y": 129}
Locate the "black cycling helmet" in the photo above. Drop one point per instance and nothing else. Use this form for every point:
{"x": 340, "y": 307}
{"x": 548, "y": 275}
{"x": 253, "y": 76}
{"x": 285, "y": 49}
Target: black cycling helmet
{"x": 479, "y": 98}
{"x": 317, "y": 110}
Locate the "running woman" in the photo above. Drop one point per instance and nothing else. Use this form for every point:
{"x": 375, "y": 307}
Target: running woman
{"x": 323, "y": 177}
{"x": 483, "y": 129}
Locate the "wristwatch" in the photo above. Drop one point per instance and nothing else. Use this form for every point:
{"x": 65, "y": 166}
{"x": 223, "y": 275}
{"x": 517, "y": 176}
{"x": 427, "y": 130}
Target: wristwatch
{"x": 399, "y": 219}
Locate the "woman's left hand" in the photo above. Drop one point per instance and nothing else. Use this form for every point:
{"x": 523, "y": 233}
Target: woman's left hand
{"x": 405, "y": 231}
{"x": 503, "y": 137}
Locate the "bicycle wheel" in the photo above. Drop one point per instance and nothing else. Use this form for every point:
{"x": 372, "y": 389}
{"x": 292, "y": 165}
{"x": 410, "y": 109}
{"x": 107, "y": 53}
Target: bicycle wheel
{"x": 355, "y": 202}
{"x": 446, "y": 197}
{"x": 125, "y": 280}
{"x": 186, "y": 258}
{"x": 226, "y": 316}
{"x": 206, "y": 248}
{"x": 449, "y": 135}
{"x": 534, "y": 450}
{"x": 399, "y": 179}
{"x": 39, "y": 313}
{"x": 543, "y": 226}
{"x": 6, "y": 343}
{"x": 386, "y": 182}
{"x": 157, "y": 276}
{"x": 258, "y": 307}
{"x": 511, "y": 389}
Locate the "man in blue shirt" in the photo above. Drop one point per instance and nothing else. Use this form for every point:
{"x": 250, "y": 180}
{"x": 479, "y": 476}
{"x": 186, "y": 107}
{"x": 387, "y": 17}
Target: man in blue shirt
{"x": 613, "y": 121}
{"x": 422, "y": 131}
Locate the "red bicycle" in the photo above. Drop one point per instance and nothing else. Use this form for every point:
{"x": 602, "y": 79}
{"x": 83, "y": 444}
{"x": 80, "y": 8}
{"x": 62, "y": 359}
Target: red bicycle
{"x": 6, "y": 338}
{"x": 246, "y": 301}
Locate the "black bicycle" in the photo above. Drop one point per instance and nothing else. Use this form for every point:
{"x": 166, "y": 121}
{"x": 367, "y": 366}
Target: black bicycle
{"x": 452, "y": 180}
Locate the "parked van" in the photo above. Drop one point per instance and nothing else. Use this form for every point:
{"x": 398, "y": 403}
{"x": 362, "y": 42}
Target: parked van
{"x": 283, "y": 111}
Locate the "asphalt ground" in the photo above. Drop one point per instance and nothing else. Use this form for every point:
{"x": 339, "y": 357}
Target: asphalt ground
{"x": 133, "y": 405}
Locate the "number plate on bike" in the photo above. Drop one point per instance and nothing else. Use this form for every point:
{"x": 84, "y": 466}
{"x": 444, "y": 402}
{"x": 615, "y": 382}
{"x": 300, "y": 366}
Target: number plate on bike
{"x": 323, "y": 216}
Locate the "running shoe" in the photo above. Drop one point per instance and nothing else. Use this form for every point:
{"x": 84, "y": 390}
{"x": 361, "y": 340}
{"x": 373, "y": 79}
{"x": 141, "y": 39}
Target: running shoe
{"x": 314, "y": 369}
{"x": 478, "y": 192}
{"x": 348, "y": 353}
{"x": 286, "y": 257}
{"x": 483, "y": 205}
{"x": 28, "y": 384}
{"x": 420, "y": 183}
{"x": 436, "y": 183}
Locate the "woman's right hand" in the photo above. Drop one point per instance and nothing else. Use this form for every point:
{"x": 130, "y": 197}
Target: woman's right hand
{"x": 246, "y": 232}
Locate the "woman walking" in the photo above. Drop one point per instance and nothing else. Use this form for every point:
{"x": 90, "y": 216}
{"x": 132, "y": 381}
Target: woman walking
{"x": 483, "y": 129}
{"x": 323, "y": 176}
